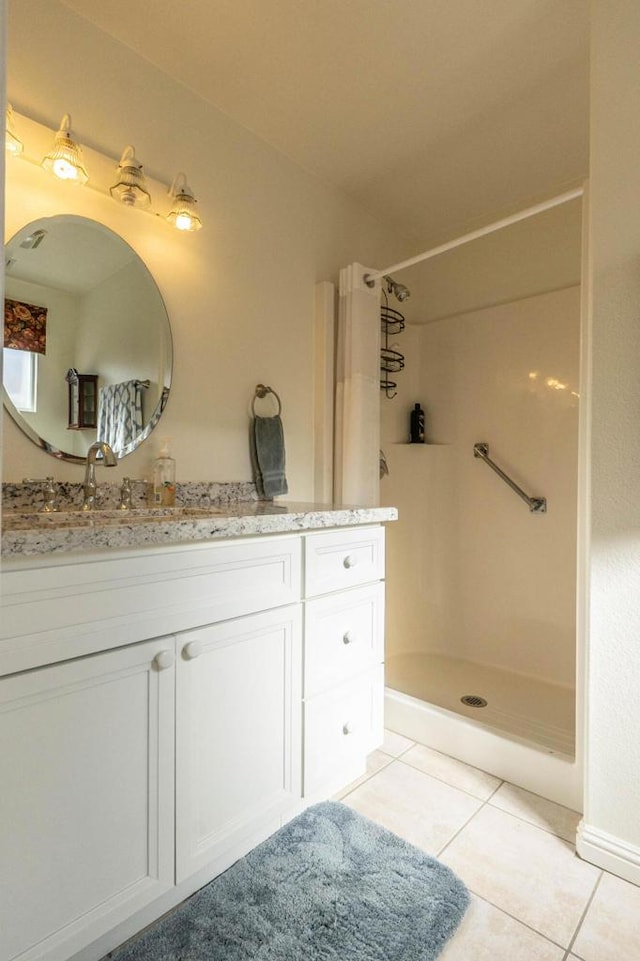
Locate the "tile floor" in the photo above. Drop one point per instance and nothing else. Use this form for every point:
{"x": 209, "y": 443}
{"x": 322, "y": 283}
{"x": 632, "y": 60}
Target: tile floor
{"x": 533, "y": 899}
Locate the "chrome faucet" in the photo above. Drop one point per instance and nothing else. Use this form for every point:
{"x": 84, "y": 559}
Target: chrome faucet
{"x": 89, "y": 487}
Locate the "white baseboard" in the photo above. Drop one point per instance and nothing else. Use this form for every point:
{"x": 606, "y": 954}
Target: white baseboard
{"x": 609, "y": 853}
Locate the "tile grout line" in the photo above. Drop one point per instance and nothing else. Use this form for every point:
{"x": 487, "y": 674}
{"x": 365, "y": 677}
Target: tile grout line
{"x": 468, "y": 821}
{"x": 583, "y": 916}
{"x": 542, "y": 827}
{"x": 485, "y": 801}
{"x": 534, "y": 824}
{"x": 531, "y": 824}
{"x": 488, "y": 800}
{"x": 525, "y": 924}
{"x": 497, "y": 907}
{"x": 455, "y": 787}
{"x": 567, "y": 950}
{"x": 437, "y": 777}
{"x": 359, "y": 782}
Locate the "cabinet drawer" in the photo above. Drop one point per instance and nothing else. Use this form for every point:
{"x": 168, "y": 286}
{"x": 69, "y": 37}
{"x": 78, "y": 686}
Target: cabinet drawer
{"x": 340, "y": 728}
{"x": 344, "y": 636}
{"x": 339, "y": 559}
{"x": 75, "y": 608}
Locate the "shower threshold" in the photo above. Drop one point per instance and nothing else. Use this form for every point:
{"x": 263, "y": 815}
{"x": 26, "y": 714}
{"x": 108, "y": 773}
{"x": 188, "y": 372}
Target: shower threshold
{"x": 524, "y": 734}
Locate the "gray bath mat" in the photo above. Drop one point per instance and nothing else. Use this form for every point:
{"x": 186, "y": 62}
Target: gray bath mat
{"x": 328, "y": 886}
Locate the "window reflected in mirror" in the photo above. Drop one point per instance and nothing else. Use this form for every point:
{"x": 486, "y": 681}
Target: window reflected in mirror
{"x": 20, "y": 372}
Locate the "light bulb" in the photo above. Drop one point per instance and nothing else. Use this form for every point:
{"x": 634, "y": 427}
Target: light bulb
{"x": 63, "y": 169}
{"x": 184, "y": 221}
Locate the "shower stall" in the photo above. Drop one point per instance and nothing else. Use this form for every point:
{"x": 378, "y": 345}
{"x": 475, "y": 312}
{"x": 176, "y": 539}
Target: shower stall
{"x": 481, "y": 565}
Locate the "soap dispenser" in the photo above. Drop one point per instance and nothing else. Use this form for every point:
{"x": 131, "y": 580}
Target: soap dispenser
{"x": 163, "y": 493}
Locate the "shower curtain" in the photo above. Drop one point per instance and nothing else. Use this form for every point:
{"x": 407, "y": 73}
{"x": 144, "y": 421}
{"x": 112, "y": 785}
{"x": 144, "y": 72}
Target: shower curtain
{"x": 357, "y": 408}
{"x": 120, "y": 414}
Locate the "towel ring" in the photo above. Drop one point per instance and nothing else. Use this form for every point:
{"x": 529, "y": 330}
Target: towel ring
{"x": 261, "y": 392}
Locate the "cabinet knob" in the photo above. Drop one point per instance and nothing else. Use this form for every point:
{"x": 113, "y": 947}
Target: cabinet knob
{"x": 192, "y": 650}
{"x": 348, "y": 637}
{"x": 350, "y": 561}
{"x": 163, "y": 660}
{"x": 347, "y": 728}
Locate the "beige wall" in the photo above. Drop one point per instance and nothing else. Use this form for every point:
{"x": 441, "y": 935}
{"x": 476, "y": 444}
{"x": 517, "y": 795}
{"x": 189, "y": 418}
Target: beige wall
{"x": 613, "y": 718}
{"x": 536, "y": 255}
{"x": 121, "y": 320}
{"x": 494, "y": 583}
{"x": 240, "y": 293}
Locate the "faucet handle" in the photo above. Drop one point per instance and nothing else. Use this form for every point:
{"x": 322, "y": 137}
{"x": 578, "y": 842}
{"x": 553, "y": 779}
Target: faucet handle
{"x": 50, "y": 497}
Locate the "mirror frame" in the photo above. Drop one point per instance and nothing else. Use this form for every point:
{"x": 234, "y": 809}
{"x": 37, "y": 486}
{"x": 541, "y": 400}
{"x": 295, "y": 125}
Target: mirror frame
{"x": 27, "y": 428}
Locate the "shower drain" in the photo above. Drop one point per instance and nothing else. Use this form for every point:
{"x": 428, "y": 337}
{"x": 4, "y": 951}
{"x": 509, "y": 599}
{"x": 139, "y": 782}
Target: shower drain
{"x": 472, "y": 700}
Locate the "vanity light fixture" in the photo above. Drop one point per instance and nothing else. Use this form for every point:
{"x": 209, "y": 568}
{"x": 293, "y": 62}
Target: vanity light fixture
{"x": 12, "y": 142}
{"x": 65, "y": 157}
{"x": 183, "y": 214}
{"x": 130, "y": 188}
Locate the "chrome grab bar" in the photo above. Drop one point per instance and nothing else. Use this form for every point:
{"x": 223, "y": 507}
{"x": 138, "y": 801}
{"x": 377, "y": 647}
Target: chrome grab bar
{"x": 537, "y": 505}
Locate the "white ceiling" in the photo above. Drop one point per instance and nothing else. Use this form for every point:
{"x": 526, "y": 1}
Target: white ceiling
{"x": 435, "y": 115}
{"x": 74, "y": 256}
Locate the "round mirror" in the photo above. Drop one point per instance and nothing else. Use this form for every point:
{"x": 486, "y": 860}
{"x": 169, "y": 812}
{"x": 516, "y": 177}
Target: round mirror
{"x": 88, "y": 351}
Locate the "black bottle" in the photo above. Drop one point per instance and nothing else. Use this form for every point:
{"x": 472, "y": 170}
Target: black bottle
{"x": 416, "y": 428}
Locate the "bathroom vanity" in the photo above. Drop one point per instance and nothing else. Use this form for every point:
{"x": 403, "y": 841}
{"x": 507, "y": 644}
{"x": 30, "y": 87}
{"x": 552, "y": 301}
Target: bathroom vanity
{"x": 175, "y": 684}
{"x": 173, "y": 689}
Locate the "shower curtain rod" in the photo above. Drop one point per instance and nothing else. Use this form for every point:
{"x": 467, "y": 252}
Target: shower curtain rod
{"x": 564, "y": 198}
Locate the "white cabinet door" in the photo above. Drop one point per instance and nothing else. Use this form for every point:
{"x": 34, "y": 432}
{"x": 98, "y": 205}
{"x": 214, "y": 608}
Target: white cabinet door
{"x": 86, "y": 797}
{"x": 238, "y": 719}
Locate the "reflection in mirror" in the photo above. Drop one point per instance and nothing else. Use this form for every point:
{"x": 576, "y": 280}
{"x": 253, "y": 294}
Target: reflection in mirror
{"x": 88, "y": 350}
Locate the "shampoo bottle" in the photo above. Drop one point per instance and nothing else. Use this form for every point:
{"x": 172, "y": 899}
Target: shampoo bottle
{"x": 416, "y": 425}
{"x": 164, "y": 478}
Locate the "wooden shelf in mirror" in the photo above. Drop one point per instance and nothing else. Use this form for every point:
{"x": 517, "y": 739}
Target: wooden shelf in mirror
{"x": 83, "y": 402}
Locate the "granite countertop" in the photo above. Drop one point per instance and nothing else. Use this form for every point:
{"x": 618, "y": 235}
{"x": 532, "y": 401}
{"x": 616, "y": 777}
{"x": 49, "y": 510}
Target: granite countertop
{"x": 29, "y": 532}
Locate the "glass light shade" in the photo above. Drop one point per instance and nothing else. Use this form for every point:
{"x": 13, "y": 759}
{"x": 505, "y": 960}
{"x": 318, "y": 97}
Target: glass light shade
{"x": 130, "y": 188}
{"x": 183, "y": 214}
{"x": 65, "y": 157}
{"x": 12, "y": 142}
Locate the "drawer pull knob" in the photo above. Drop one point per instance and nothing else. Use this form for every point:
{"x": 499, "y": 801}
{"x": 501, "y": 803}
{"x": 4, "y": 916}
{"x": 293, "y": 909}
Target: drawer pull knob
{"x": 163, "y": 660}
{"x": 347, "y": 728}
{"x": 348, "y": 637}
{"x": 350, "y": 561}
{"x": 192, "y": 650}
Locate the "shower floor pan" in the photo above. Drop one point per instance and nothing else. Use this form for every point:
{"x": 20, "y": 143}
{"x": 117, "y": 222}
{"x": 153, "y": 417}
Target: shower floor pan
{"x": 524, "y": 734}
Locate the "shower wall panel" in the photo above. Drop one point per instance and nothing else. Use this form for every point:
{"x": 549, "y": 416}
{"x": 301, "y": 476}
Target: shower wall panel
{"x": 490, "y": 581}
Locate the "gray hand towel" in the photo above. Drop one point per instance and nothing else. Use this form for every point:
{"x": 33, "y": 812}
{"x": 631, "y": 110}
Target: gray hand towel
{"x": 269, "y": 456}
